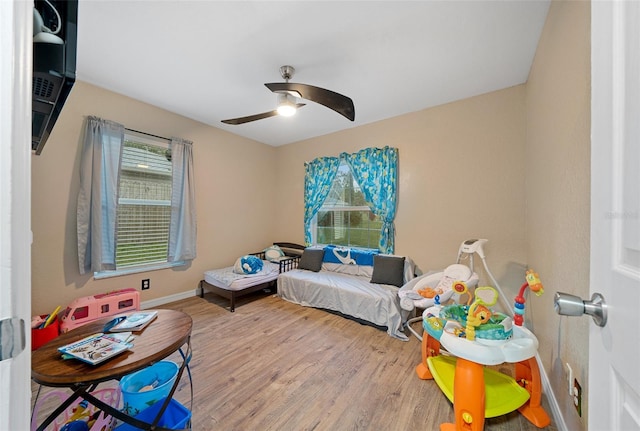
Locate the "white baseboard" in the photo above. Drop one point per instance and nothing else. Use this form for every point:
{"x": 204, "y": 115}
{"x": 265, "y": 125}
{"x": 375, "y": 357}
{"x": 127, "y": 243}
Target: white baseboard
{"x": 558, "y": 420}
{"x": 152, "y": 303}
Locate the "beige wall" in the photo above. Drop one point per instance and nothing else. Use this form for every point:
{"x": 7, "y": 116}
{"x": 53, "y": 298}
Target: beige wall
{"x": 460, "y": 177}
{"x": 558, "y": 191}
{"x": 458, "y": 180}
{"x": 234, "y": 198}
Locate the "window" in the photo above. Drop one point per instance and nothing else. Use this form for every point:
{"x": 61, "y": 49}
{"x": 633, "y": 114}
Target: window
{"x": 145, "y": 212}
{"x": 345, "y": 218}
{"x": 144, "y": 204}
{"x": 336, "y": 208}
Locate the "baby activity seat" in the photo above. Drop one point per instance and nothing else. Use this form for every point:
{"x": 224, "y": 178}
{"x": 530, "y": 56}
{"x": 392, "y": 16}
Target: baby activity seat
{"x": 473, "y": 336}
{"x": 421, "y": 292}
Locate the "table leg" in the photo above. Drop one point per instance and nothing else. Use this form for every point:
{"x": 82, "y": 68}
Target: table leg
{"x": 468, "y": 397}
{"x": 57, "y": 412}
{"x": 187, "y": 358}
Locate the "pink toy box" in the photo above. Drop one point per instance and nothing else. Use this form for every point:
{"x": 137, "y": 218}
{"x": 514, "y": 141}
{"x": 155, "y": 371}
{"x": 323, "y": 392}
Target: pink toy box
{"x": 89, "y": 308}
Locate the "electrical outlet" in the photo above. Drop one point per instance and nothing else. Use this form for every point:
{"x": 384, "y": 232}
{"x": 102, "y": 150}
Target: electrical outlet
{"x": 577, "y": 396}
{"x": 569, "y": 378}
{"x": 146, "y": 283}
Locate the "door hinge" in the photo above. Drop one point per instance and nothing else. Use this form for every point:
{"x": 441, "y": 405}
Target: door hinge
{"x": 12, "y": 337}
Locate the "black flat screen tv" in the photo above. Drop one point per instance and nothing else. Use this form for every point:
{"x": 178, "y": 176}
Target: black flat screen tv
{"x": 54, "y": 65}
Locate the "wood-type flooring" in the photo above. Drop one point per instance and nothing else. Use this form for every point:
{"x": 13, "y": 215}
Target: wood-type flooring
{"x": 273, "y": 365}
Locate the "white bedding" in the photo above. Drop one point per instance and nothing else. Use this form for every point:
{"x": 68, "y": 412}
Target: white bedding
{"x": 351, "y": 295}
{"x": 225, "y": 278}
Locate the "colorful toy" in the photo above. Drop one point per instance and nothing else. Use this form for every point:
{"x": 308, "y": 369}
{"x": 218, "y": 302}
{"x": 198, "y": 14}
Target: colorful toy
{"x": 534, "y": 284}
{"x": 75, "y": 426}
{"x": 81, "y": 415}
{"x": 479, "y": 313}
{"x": 89, "y": 308}
{"x": 50, "y": 318}
{"x": 79, "y": 411}
{"x": 460, "y": 288}
{"x": 477, "y": 321}
{"x": 475, "y": 336}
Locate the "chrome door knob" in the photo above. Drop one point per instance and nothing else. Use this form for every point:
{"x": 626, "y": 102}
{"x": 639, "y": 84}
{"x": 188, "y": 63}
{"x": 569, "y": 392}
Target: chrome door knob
{"x": 571, "y": 305}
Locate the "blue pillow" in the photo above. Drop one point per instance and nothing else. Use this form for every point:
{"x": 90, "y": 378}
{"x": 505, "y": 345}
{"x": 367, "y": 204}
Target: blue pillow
{"x": 347, "y": 255}
{"x": 248, "y": 264}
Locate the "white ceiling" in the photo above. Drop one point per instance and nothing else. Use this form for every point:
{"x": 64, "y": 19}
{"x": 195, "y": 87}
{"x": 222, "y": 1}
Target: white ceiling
{"x": 208, "y": 60}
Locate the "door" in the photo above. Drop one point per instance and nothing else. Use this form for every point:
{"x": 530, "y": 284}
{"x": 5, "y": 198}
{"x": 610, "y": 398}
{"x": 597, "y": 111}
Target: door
{"x": 614, "y": 373}
{"x": 16, "y": 19}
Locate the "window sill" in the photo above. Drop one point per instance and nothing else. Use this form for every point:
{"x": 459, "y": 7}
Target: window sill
{"x": 135, "y": 270}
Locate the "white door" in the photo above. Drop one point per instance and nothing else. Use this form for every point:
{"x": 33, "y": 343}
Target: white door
{"x": 16, "y": 18}
{"x": 614, "y": 350}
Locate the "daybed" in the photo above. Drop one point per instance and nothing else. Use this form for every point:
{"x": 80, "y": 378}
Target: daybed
{"x": 230, "y": 284}
{"x": 351, "y": 283}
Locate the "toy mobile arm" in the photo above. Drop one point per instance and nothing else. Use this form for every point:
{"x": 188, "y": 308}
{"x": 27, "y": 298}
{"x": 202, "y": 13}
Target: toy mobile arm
{"x": 535, "y": 285}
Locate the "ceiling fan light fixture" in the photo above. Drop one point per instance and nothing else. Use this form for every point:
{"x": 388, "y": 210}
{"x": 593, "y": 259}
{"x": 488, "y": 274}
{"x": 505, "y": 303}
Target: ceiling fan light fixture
{"x": 288, "y": 94}
{"x": 286, "y": 105}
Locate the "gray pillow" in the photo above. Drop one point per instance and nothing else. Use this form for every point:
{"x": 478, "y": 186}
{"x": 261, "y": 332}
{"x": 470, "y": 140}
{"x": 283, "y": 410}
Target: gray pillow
{"x": 311, "y": 259}
{"x": 388, "y": 270}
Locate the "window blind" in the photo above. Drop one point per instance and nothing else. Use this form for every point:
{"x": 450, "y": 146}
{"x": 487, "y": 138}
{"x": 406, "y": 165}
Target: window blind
{"x": 144, "y": 205}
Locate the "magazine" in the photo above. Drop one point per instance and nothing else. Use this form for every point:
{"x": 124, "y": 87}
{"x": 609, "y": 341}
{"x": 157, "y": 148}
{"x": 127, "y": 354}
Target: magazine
{"x": 135, "y": 322}
{"x": 95, "y": 348}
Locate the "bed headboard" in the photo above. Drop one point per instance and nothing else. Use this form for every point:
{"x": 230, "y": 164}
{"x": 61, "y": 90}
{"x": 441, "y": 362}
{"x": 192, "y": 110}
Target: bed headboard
{"x": 290, "y": 248}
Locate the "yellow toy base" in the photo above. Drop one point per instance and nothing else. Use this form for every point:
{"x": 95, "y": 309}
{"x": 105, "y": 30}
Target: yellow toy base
{"x": 502, "y": 392}
{"x": 482, "y": 392}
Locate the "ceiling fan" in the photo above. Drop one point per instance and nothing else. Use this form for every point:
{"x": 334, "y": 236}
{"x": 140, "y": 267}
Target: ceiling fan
{"x": 289, "y": 92}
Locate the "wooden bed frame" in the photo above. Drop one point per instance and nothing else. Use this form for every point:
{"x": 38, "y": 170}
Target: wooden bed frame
{"x": 292, "y": 252}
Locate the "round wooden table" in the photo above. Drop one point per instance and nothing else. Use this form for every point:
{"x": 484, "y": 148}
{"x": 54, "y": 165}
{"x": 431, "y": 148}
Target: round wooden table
{"x": 168, "y": 333}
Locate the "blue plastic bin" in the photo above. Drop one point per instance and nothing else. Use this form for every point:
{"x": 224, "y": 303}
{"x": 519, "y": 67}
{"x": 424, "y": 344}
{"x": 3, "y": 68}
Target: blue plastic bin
{"x": 176, "y": 416}
{"x": 161, "y": 375}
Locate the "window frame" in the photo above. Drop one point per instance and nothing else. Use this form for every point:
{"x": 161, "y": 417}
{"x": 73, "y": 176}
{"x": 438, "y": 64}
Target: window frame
{"x": 131, "y": 136}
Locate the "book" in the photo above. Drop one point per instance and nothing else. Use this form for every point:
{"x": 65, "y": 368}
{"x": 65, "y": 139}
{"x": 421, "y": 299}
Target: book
{"x": 135, "y": 322}
{"x": 123, "y": 337}
{"x": 95, "y": 348}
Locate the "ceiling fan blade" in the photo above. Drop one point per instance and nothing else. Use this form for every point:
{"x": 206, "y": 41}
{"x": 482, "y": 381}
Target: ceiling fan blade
{"x": 343, "y": 105}
{"x": 242, "y": 120}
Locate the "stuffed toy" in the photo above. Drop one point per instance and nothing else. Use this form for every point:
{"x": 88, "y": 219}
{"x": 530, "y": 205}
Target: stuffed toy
{"x": 273, "y": 253}
{"x": 248, "y": 265}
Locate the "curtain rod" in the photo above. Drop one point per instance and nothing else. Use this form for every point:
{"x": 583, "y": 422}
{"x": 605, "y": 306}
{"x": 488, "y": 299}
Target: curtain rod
{"x": 148, "y": 134}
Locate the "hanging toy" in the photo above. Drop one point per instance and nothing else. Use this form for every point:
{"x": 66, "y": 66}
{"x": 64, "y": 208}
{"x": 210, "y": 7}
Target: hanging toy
{"x": 534, "y": 284}
{"x": 432, "y": 322}
{"x": 460, "y": 287}
{"x": 479, "y": 312}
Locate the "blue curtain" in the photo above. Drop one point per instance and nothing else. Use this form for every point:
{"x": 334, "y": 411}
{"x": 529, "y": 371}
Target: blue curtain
{"x": 98, "y": 195}
{"x": 182, "y": 227}
{"x": 318, "y": 178}
{"x": 376, "y": 171}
